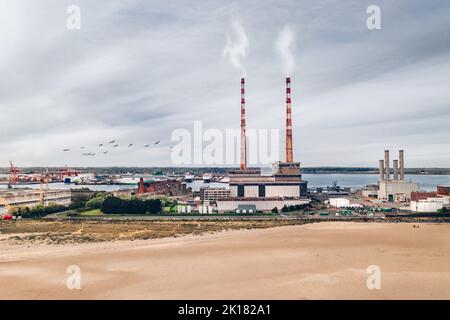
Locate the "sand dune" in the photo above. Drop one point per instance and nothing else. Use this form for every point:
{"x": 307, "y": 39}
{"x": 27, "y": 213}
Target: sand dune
{"x": 314, "y": 261}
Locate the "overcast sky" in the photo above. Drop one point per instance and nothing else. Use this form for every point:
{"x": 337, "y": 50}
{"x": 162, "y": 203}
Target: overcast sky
{"x": 137, "y": 70}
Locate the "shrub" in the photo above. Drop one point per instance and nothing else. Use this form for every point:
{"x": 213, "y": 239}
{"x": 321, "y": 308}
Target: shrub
{"x": 296, "y": 207}
{"x": 95, "y": 203}
{"x": 38, "y": 211}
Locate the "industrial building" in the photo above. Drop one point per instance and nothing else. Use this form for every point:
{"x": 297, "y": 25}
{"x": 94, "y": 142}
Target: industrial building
{"x": 285, "y": 181}
{"x": 257, "y": 204}
{"x": 443, "y": 190}
{"x": 162, "y": 187}
{"x": 32, "y": 197}
{"x": 429, "y": 204}
{"x": 343, "y": 203}
{"x": 370, "y": 191}
{"x": 430, "y": 201}
{"x": 248, "y": 186}
{"x": 396, "y": 189}
{"x": 214, "y": 194}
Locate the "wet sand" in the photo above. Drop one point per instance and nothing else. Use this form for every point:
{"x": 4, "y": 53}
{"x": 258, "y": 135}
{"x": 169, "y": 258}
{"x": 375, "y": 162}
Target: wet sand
{"x": 313, "y": 261}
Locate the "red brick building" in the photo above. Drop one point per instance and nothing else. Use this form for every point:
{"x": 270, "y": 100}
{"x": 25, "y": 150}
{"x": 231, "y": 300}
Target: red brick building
{"x": 163, "y": 187}
{"x": 416, "y": 196}
{"x": 443, "y": 190}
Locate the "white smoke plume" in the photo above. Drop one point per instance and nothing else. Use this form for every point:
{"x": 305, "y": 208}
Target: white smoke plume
{"x": 236, "y": 49}
{"x": 284, "y": 45}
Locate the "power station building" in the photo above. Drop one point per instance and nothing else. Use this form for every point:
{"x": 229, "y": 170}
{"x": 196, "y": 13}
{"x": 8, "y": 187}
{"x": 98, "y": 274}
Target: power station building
{"x": 396, "y": 189}
{"x": 285, "y": 182}
{"x": 248, "y": 186}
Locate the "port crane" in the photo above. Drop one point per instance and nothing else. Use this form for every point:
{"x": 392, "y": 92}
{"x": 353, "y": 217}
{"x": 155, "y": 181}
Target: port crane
{"x": 13, "y": 174}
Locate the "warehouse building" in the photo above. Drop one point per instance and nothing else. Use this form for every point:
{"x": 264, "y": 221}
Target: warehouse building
{"x": 257, "y": 204}
{"x": 430, "y": 201}
{"x": 32, "y": 197}
{"x": 428, "y": 205}
{"x": 343, "y": 203}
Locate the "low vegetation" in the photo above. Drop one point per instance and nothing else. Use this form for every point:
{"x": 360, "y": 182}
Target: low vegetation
{"x": 68, "y": 231}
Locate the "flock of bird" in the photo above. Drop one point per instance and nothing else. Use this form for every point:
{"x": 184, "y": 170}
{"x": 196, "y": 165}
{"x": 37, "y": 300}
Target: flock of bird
{"x": 114, "y": 145}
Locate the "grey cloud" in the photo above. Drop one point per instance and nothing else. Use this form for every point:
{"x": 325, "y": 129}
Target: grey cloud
{"x": 138, "y": 70}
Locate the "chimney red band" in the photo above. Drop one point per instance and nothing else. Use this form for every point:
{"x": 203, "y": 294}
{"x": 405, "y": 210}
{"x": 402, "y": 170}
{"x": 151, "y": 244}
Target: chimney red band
{"x": 243, "y": 164}
{"x": 289, "y": 153}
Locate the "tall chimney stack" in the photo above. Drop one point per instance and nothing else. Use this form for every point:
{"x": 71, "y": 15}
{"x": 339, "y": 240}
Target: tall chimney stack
{"x": 386, "y": 165}
{"x": 401, "y": 156}
{"x": 289, "y": 154}
{"x": 395, "y": 169}
{"x": 381, "y": 168}
{"x": 243, "y": 165}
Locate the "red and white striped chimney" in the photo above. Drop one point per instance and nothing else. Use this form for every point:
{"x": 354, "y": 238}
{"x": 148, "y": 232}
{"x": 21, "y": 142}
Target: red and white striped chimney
{"x": 289, "y": 154}
{"x": 243, "y": 134}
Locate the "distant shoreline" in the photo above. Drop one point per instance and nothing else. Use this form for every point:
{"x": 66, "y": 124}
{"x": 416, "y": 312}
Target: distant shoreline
{"x": 224, "y": 170}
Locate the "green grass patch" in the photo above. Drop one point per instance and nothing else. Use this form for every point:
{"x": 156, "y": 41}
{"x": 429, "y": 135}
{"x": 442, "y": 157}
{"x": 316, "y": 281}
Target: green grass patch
{"x": 94, "y": 212}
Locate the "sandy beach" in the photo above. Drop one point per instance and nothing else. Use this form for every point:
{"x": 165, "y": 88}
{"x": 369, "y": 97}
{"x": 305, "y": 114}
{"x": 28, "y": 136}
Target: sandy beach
{"x": 312, "y": 261}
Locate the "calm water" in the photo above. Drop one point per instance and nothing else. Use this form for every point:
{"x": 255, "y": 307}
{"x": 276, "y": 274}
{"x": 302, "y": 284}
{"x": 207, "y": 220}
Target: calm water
{"x": 426, "y": 182}
{"x": 195, "y": 185}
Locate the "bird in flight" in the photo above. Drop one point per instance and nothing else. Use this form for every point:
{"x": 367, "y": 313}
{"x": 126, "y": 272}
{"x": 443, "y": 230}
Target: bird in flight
{"x": 115, "y": 146}
{"x": 82, "y": 147}
{"x": 112, "y": 141}
{"x": 105, "y": 152}
{"x": 100, "y": 145}
{"x": 130, "y": 145}
{"x": 157, "y": 141}
{"x": 147, "y": 145}
{"x": 65, "y": 150}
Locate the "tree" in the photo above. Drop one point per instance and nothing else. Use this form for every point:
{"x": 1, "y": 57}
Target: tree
{"x": 114, "y": 205}
{"x": 79, "y": 200}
